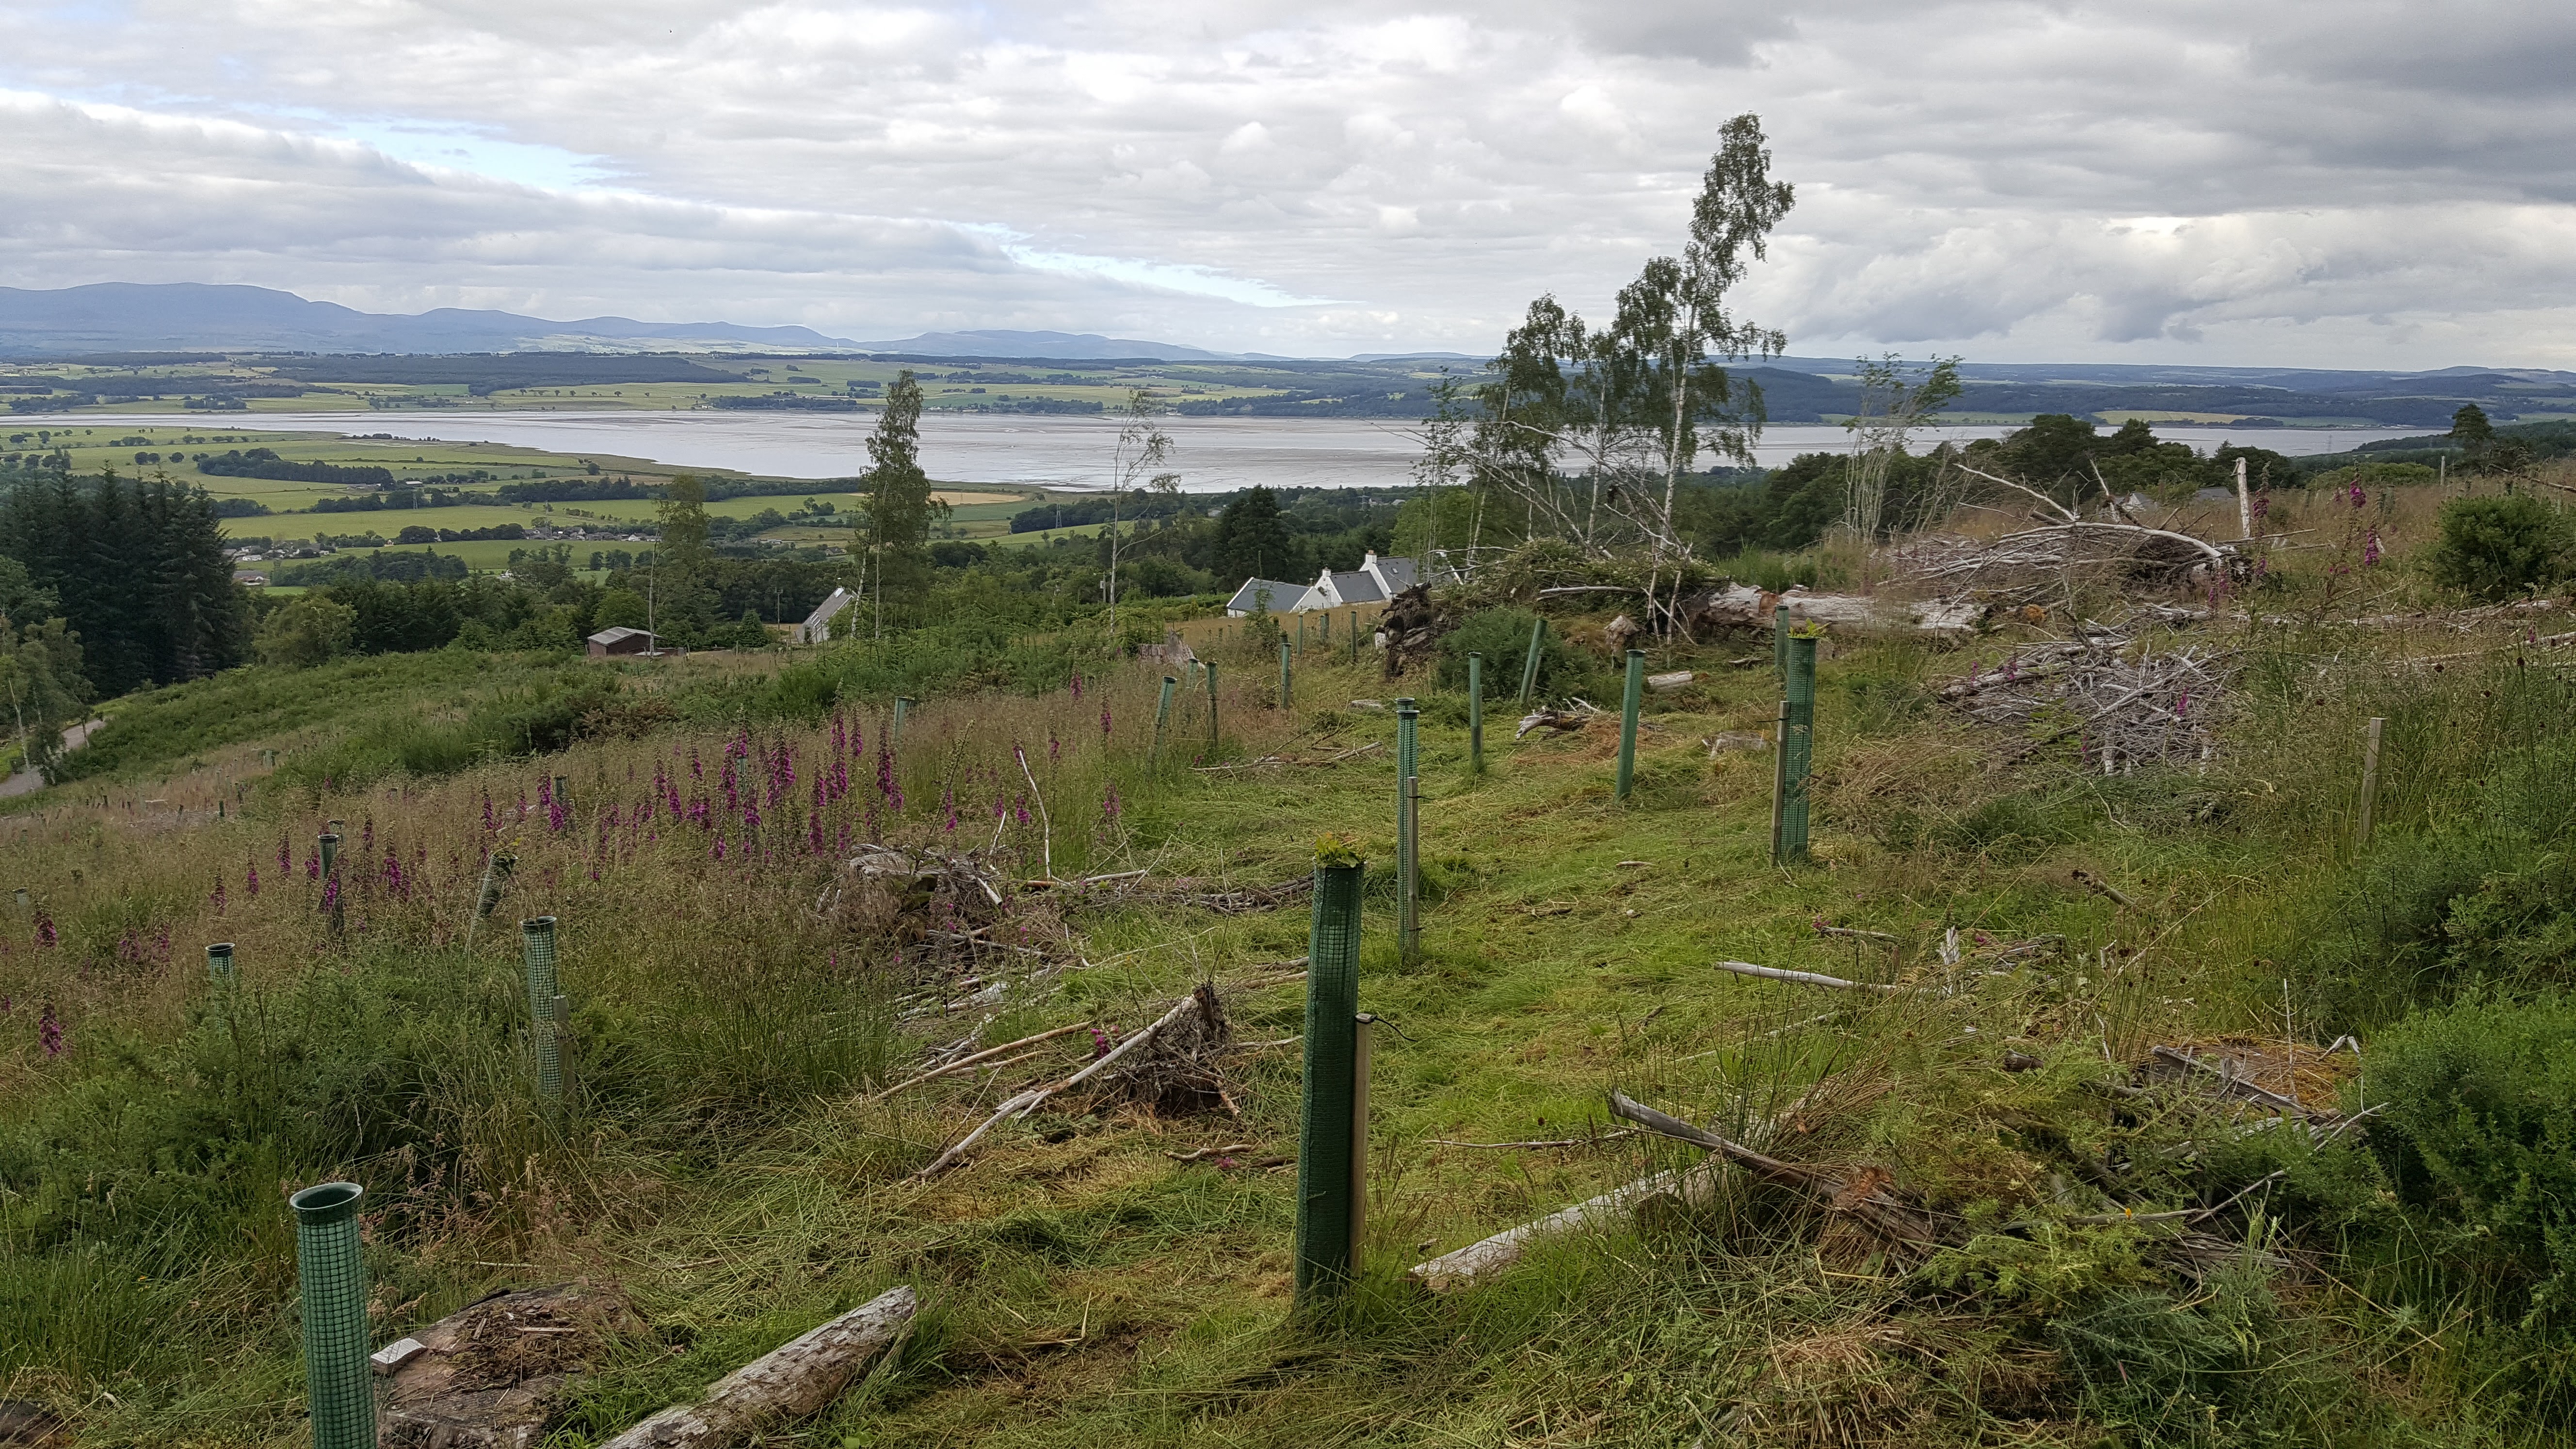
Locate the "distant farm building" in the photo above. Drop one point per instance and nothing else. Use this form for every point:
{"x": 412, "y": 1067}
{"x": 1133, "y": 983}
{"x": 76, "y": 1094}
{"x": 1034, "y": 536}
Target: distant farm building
{"x": 818, "y": 625}
{"x": 620, "y": 640}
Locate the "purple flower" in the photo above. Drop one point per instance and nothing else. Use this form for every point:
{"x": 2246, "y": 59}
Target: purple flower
{"x": 49, "y": 1032}
{"x": 331, "y": 891}
{"x": 218, "y": 897}
{"x": 1109, "y": 802}
{"x": 719, "y": 851}
{"x": 313, "y": 866}
{"x": 1077, "y": 687}
{"x": 1055, "y": 750}
{"x": 1104, "y": 721}
{"x": 2182, "y": 702}
{"x": 252, "y": 885}
{"x": 2370, "y": 547}
{"x": 2355, "y": 496}
{"x": 1099, "y": 1043}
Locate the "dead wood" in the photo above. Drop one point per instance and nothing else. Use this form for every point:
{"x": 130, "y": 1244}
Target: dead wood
{"x": 2102, "y": 887}
{"x": 1466, "y": 1265}
{"x": 1562, "y": 721}
{"x": 962, "y": 1063}
{"x": 798, "y": 1380}
{"x": 1805, "y": 978}
{"x": 491, "y": 1376}
{"x": 1555, "y": 1142}
{"x": 1170, "y": 1077}
{"x": 2227, "y": 1075}
{"x": 2123, "y": 710}
{"x": 1867, "y": 1198}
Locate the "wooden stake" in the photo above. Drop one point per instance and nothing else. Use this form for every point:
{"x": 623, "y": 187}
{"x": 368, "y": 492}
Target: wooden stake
{"x": 2370, "y": 777}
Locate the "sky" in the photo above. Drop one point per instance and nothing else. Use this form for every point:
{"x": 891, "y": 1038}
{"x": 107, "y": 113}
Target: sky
{"x": 2361, "y": 184}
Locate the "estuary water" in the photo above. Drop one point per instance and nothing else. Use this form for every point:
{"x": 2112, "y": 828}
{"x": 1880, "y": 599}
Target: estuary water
{"x": 1212, "y": 455}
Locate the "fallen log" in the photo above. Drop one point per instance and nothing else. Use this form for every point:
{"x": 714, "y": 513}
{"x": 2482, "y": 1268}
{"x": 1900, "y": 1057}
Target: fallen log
{"x": 797, "y": 1380}
{"x": 1461, "y": 1269}
{"x": 1804, "y": 978}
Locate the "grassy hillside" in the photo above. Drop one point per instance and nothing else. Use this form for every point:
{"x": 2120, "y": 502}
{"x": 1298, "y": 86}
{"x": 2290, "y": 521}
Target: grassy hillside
{"x": 722, "y": 1162}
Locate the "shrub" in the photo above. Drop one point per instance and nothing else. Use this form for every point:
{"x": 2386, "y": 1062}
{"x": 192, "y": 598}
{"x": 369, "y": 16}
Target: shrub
{"x": 2478, "y": 1140}
{"x": 1502, "y": 636}
{"x": 2494, "y": 547}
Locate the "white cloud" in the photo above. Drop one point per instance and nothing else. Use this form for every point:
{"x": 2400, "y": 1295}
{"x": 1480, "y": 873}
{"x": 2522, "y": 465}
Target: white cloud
{"x": 2165, "y": 179}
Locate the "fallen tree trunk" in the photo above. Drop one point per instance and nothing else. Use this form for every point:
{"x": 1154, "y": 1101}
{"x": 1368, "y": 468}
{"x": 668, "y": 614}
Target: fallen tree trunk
{"x": 797, "y": 1380}
{"x": 1806, "y": 978}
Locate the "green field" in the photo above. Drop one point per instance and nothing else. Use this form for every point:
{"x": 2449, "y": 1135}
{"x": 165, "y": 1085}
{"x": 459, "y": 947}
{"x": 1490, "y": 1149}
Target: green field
{"x": 978, "y": 511}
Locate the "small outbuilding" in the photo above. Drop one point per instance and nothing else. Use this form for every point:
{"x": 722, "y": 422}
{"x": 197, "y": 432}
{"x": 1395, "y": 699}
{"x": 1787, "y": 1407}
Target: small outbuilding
{"x": 817, "y": 627}
{"x": 620, "y": 640}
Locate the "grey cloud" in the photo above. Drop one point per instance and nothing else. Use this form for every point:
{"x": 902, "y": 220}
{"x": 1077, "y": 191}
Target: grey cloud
{"x": 2107, "y": 179}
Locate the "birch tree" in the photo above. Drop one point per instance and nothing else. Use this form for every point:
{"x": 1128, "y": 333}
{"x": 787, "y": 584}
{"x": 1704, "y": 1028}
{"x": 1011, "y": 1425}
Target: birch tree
{"x": 1673, "y": 321}
{"x": 1137, "y": 464}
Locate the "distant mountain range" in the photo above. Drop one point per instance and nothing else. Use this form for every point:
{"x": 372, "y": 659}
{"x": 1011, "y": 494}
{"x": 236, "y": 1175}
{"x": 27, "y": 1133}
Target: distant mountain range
{"x": 120, "y": 317}
{"x": 127, "y": 318}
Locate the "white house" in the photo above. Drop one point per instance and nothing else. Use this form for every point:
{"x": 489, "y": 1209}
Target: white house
{"x": 1375, "y": 581}
{"x": 818, "y": 625}
{"x": 1259, "y": 596}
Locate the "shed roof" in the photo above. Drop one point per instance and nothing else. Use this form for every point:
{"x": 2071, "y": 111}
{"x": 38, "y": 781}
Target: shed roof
{"x": 611, "y": 636}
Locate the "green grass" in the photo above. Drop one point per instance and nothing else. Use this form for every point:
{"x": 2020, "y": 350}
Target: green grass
{"x": 1086, "y": 1289}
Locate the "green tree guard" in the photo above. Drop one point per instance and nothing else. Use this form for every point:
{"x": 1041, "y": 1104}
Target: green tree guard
{"x": 1529, "y": 666}
{"x": 339, "y": 1383}
{"x": 1162, "y": 717}
{"x": 1475, "y": 714}
{"x": 1797, "y": 750}
{"x": 1324, "y": 1158}
{"x": 219, "y": 963}
{"x": 537, "y": 941}
{"x": 1355, "y": 636}
{"x": 1780, "y": 642}
{"x": 1285, "y": 682}
{"x": 563, "y": 797}
{"x": 1325, "y": 622}
{"x": 1408, "y": 827}
{"x": 1211, "y": 678}
{"x": 903, "y": 704}
{"x": 1301, "y": 631}
{"x": 1629, "y": 702}
{"x": 329, "y": 845}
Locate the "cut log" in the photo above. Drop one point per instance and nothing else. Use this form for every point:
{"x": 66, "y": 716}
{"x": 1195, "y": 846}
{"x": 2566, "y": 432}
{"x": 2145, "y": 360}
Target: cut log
{"x": 796, "y": 1381}
{"x": 1660, "y": 683}
{"x": 484, "y": 1377}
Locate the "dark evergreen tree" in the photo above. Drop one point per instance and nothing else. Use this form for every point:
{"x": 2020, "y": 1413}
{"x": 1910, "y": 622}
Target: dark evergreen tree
{"x": 1252, "y": 540}
{"x": 140, "y": 573}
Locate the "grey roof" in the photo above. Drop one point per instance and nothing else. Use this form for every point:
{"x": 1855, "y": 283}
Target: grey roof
{"x": 1400, "y": 574}
{"x": 611, "y": 636}
{"x": 1283, "y": 597}
{"x": 1357, "y": 587}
